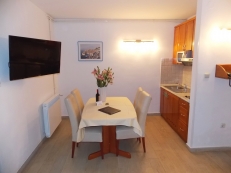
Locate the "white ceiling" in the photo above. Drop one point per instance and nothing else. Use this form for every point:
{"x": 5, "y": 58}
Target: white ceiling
{"x": 118, "y": 9}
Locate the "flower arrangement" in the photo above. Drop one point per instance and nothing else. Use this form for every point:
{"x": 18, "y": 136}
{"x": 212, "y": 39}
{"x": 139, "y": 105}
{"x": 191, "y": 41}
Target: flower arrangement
{"x": 103, "y": 78}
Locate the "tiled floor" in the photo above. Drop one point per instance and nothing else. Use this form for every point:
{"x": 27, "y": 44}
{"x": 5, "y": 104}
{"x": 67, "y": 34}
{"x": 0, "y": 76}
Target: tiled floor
{"x": 166, "y": 152}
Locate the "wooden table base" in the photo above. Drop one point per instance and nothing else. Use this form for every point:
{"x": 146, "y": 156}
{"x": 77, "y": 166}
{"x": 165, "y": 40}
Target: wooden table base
{"x": 109, "y": 143}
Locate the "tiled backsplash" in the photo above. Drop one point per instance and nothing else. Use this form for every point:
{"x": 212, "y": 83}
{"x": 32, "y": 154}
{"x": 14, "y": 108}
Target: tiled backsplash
{"x": 172, "y": 73}
{"x": 187, "y": 74}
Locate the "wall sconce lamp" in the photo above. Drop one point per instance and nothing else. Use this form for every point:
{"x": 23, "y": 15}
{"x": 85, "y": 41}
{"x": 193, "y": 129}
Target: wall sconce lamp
{"x": 139, "y": 41}
{"x": 225, "y": 28}
{"x": 224, "y": 71}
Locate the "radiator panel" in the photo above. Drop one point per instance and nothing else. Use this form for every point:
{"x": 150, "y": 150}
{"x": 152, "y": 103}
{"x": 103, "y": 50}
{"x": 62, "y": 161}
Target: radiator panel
{"x": 51, "y": 114}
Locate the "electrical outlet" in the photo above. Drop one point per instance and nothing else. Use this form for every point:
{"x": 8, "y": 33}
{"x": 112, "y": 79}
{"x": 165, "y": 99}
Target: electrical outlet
{"x": 206, "y": 75}
{"x": 223, "y": 125}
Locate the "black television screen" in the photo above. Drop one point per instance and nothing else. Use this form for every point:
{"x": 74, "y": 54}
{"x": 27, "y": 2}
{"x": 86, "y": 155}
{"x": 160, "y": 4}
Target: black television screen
{"x": 30, "y": 57}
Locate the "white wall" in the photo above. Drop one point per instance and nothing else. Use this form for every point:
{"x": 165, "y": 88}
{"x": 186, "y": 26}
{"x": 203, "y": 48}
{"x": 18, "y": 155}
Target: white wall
{"x": 210, "y": 98}
{"x": 132, "y": 68}
{"x": 21, "y": 128}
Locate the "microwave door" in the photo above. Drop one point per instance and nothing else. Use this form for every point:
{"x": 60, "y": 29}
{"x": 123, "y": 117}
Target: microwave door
{"x": 179, "y": 56}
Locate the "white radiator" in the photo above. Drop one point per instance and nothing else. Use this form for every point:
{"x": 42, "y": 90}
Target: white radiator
{"x": 51, "y": 114}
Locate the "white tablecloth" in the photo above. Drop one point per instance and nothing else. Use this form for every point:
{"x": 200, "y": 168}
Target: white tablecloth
{"x": 92, "y": 117}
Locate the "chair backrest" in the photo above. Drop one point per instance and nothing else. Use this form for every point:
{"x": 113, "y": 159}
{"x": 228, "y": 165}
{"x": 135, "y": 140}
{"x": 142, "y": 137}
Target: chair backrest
{"x": 74, "y": 114}
{"x": 138, "y": 92}
{"x": 142, "y": 109}
{"x": 79, "y": 99}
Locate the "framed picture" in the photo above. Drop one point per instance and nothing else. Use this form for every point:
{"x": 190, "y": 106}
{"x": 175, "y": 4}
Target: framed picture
{"x": 90, "y": 50}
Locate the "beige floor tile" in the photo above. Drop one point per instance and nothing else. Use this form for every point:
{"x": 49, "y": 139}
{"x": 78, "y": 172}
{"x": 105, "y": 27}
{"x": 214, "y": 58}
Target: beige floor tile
{"x": 166, "y": 153}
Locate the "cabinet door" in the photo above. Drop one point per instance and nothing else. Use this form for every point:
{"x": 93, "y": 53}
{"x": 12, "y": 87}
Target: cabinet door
{"x": 167, "y": 106}
{"x": 182, "y": 37}
{"x": 161, "y": 101}
{"x": 189, "y": 35}
{"x": 176, "y": 43}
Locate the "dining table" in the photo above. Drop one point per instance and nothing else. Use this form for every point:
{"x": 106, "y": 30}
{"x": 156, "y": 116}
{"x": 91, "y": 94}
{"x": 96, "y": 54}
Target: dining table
{"x": 91, "y": 116}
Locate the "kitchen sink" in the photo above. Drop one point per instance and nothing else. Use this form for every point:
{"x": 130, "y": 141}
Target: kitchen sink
{"x": 178, "y": 89}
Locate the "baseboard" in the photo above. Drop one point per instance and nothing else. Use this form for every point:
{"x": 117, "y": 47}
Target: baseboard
{"x": 153, "y": 114}
{"x": 32, "y": 154}
{"x": 202, "y": 149}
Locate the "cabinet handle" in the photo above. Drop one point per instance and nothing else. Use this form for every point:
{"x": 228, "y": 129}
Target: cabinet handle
{"x": 181, "y": 129}
{"x": 183, "y": 103}
{"x": 183, "y": 115}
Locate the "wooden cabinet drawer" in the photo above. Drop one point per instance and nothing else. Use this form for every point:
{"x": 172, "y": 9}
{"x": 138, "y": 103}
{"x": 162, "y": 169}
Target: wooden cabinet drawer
{"x": 183, "y": 130}
{"x": 183, "y": 115}
{"x": 184, "y": 104}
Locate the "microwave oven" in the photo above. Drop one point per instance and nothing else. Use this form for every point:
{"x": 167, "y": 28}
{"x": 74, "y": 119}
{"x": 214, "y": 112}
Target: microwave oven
{"x": 183, "y": 54}
{"x": 179, "y": 55}
{"x": 184, "y": 57}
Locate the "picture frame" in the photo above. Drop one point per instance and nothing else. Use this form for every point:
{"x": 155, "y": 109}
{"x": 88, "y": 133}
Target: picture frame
{"x": 90, "y": 50}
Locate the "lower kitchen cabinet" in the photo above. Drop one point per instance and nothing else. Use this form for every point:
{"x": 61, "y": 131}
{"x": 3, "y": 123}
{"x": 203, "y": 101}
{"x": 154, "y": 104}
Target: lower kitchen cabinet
{"x": 183, "y": 130}
{"x": 169, "y": 108}
{"x": 183, "y": 119}
{"x": 175, "y": 111}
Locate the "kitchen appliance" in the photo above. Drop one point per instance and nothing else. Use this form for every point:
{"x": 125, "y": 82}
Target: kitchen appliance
{"x": 179, "y": 55}
{"x": 187, "y": 61}
{"x": 185, "y": 57}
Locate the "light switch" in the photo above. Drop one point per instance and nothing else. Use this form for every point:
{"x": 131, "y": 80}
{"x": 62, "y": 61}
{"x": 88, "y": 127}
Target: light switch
{"x": 206, "y": 75}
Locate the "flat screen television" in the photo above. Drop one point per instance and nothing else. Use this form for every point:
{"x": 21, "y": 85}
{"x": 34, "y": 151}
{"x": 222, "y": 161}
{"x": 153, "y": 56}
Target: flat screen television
{"x": 30, "y": 57}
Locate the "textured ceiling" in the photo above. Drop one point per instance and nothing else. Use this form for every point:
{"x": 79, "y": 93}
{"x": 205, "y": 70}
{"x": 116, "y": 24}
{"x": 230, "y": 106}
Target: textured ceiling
{"x": 118, "y": 9}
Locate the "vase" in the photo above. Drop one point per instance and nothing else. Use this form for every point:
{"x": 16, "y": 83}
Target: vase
{"x": 103, "y": 93}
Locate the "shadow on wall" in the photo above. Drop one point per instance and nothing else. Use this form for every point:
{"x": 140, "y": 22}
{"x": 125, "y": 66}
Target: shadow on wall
{"x": 4, "y": 59}
{"x": 41, "y": 119}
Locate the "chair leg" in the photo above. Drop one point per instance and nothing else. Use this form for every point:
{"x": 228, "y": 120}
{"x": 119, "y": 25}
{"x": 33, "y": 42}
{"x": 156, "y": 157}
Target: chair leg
{"x": 143, "y": 141}
{"x": 73, "y": 149}
{"x": 101, "y": 149}
{"x": 117, "y": 147}
{"x": 77, "y": 144}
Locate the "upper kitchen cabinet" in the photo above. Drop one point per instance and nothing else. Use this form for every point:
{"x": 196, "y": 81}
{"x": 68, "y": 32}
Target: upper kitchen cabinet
{"x": 183, "y": 37}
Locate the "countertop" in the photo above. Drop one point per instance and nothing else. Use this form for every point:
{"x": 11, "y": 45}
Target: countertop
{"x": 180, "y": 95}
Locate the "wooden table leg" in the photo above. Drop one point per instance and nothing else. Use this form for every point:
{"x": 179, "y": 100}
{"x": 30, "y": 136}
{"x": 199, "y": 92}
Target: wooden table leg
{"x": 94, "y": 155}
{"x": 124, "y": 154}
{"x": 109, "y": 143}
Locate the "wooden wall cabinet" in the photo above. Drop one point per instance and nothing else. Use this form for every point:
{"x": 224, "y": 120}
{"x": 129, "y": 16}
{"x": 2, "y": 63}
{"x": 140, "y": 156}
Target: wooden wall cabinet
{"x": 175, "y": 111}
{"x": 183, "y": 37}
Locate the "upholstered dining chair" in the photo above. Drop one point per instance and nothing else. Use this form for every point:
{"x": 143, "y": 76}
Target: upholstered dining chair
{"x": 92, "y": 134}
{"x": 138, "y": 92}
{"x": 79, "y": 99}
{"x": 124, "y": 132}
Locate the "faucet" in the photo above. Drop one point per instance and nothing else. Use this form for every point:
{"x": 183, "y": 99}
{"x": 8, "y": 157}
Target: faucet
{"x": 185, "y": 86}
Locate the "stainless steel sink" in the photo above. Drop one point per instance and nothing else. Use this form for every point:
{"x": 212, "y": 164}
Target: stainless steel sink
{"x": 178, "y": 89}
